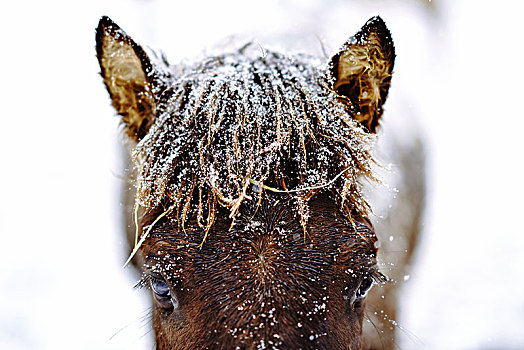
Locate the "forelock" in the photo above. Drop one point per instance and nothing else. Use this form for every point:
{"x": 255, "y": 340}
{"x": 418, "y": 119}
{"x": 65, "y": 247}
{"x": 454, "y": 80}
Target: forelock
{"x": 239, "y": 124}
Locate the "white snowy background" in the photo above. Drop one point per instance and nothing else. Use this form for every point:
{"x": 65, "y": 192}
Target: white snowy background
{"x": 458, "y": 73}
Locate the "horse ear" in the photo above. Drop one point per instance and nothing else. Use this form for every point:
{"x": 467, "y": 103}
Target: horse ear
{"x": 361, "y": 72}
{"x": 129, "y": 76}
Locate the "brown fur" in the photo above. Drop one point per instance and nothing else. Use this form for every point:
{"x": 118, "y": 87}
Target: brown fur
{"x": 266, "y": 155}
{"x": 244, "y": 285}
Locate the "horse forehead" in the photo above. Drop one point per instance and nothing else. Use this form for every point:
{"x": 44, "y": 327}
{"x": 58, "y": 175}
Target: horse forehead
{"x": 252, "y": 247}
{"x": 269, "y": 231}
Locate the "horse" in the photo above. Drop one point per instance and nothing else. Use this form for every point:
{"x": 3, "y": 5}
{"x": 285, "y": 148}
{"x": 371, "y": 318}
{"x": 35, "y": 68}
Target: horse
{"x": 251, "y": 227}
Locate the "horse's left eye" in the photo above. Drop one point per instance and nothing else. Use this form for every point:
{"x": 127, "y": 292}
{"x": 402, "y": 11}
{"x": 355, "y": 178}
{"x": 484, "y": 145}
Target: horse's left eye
{"x": 361, "y": 292}
{"x": 364, "y": 288}
{"x": 162, "y": 293}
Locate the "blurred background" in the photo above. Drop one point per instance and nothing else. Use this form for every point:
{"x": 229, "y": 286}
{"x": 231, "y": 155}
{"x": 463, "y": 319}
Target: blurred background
{"x": 457, "y": 82}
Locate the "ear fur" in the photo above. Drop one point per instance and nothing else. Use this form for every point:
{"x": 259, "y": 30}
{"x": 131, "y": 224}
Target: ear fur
{"x": 361, "y": 72}
{"x": 130, "y": 77}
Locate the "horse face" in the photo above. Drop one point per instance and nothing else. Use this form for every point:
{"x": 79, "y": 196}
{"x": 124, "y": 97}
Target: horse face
{"x": 253, "y": 229}
{"x": 263, "y": 282}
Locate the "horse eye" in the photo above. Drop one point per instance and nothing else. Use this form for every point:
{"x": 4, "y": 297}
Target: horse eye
{"x": 360, "y": 293}
{"x": 162, "y": 293}
{"x": 364, "y": 288}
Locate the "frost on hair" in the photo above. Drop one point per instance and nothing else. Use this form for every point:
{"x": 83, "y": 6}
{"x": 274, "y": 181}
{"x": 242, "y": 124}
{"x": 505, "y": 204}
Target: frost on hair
{"x": 238, "y": 125}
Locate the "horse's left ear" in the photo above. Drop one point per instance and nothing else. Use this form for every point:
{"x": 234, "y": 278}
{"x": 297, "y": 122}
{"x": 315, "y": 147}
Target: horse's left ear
{"x": 361, "y": 72}
{"x": 130, "y": 77}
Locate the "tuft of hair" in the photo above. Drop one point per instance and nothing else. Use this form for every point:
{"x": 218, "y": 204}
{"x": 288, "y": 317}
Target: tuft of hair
{"x": 243, "y": 123}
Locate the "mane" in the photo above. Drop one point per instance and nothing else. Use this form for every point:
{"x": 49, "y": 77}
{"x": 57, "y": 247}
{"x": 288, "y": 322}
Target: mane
{"x": 244, "y": 123}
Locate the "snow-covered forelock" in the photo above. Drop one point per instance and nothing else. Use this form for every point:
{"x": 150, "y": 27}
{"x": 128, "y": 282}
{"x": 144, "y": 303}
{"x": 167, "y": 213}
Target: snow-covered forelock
{"x": 248, "y": 120}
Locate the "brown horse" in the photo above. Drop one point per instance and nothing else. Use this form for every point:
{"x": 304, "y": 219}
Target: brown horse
{"x": 252, "y": 230}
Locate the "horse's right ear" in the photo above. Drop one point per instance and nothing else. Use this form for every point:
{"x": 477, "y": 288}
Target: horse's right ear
{"x": 129, "y": 75}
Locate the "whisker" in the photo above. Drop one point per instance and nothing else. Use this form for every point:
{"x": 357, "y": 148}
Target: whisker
{"x": 384, "y": 317}
{"x": 412, "y": 336}
{"x": 147, "y": 334}
{"x": 379, "y": 332}
{"x": 142, "y": 321}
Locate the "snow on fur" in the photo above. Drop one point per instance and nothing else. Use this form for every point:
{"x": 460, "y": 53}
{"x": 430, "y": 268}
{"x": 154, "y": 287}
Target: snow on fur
{"x": 250, "y": 120}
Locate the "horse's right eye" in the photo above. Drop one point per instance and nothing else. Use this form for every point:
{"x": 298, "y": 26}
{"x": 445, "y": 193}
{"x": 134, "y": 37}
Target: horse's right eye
{"x": 162, "y": 293}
